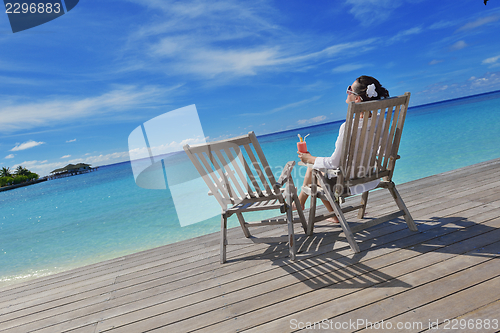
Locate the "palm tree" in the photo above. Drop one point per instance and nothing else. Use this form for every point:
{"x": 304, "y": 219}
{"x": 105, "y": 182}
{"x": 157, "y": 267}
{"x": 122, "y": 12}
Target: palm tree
{"x": 5, "y": 172}
{"x": 22, "y": 171}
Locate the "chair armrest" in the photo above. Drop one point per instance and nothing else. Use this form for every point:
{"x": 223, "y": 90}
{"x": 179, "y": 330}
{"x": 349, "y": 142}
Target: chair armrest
{"x": 309, "y": 165}
{"x": 329, "y": 172}
{"x": 287, "y": 170}
{"x": 332, "y": 172}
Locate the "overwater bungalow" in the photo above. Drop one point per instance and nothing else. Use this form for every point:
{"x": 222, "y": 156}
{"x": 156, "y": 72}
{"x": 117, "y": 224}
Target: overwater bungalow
{"x": 71, "y": 170}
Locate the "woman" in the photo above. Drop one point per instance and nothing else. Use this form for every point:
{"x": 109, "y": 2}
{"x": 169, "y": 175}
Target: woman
{"x": 365, "y": 88}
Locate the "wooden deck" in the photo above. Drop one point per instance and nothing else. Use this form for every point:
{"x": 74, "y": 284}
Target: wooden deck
{"x": 448, "y": 270}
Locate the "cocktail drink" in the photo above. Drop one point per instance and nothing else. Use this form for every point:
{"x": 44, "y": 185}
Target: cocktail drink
{"x": 302, "y": 145}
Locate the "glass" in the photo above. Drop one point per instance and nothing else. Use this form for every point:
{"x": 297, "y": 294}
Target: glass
{"x": 349, "y": 91}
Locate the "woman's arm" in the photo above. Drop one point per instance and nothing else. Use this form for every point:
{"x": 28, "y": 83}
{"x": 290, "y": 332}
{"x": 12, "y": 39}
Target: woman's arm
{"x": 331, "y": 162}
{"x": 306, "y": 158}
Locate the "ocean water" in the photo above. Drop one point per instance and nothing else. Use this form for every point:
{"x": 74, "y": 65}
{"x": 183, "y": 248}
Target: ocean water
{"x": 70, "y": 222}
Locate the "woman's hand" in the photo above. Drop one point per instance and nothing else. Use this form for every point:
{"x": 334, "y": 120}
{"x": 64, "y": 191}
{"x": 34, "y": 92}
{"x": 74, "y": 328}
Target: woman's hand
{"x": 306, "y": 158}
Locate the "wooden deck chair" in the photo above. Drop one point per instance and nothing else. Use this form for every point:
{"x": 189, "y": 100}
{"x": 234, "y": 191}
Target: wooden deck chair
{"x": 369, "y": 153}
{"x": 241, "y": 180}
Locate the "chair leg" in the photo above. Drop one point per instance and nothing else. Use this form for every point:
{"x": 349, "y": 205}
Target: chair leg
{"x": 399, "y": 201}
{"x": 300, "y": 212}
{"x": 297, "y": 204}
{"x": 223, "y": 238}
{"x": 312, "y": 208}
{"x": 343, "y": 222}
{"x": 289, "y": 216}
{"x": 345, "y": 227}
{"x": 243, "y": 226}
{"x": 364, "y": 201}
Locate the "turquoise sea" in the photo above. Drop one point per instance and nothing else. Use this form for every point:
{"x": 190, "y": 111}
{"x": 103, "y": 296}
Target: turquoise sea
{"x": 70, "y": 222}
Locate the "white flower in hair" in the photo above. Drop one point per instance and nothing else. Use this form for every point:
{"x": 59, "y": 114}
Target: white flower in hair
{"x": 370, "y": 91}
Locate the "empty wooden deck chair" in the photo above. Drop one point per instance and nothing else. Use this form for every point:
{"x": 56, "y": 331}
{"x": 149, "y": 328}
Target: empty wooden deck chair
{"x": 370, "y": 149}
{"x": 240, "y": 178}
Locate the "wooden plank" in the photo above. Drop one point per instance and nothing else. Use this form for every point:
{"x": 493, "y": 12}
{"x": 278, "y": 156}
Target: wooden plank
{"x": 186, "y": 275}
{"x": 411, "y": 302}
{"x": 246, "y": 305}
{"x": 482, "y": 319}
{"x": 332, "y": 303}
{"x": 464, "y": 300}
{"x": 374, "y": 222}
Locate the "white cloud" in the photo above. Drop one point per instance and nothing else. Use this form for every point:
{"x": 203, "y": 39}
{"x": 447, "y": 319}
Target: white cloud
{"x": 206, "y": 40}
{"x": 66, "y": 156}
{"x": 370, "y": 12}
{"x": 103, "y": 159}
{"x": 9, "y": 156}
{"x": 474, "y": 85}
{"x": 435, "y": 62}
{"x": 284, "y": 107}
{"x": 491, "y": 60}
{"x": 479, "y": 22}
{"x": 43, "y": 168}
{"x": 402, "y": 34}
{"x": 138, "y": 153}
{"x": 204, "y": 58}
{"x": 73, "y": 140}
{"x": 441, "y": 25}
{"x": 311, "y": 121}
{"x": 458, "y": 45}
{"x": 62, "y": 109}
{"x": 27, "y": 145}
{"x": 489, "y": 81}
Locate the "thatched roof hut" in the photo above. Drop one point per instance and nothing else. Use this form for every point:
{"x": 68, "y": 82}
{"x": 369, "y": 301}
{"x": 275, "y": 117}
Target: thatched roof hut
{"x": 72, "y": 168}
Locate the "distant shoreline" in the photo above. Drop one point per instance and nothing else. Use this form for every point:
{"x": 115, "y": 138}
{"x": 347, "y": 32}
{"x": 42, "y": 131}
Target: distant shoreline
{"x": 31, "y": 182}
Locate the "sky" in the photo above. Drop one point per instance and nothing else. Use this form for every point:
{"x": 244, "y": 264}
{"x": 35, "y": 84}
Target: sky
{"x": 73, "y": 89}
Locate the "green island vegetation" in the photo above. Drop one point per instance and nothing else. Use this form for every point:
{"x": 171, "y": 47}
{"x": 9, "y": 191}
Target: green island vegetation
{"x": 20, "y": 175}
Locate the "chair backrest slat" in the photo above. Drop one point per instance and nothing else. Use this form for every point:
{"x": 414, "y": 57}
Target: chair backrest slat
{"x": 390, "y": 139}
{"x": 228, "y": 167}
{"x": 219, "y": 178}
{"x": 384, "y": 138}
{"x": 256, "y": 166}
{"x": 208, "y": 180}
{"x": 249, "y": 171}
{"x": 400, "y": 128}
{"x": 349, "y": 145}
{"x": 234, "y": 185}
{"x": 263, "y": 160}
{"x": 234, "y": 159}
{"x": 378, "y": 139}
{"x": 371, "y": 143}
{"x": 372, "y": 136}
{"x": 199, "y": 161}
{"x": 361, "y": 143}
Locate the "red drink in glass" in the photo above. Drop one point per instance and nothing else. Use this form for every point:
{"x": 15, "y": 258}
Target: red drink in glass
{"x": 302, "y": 147}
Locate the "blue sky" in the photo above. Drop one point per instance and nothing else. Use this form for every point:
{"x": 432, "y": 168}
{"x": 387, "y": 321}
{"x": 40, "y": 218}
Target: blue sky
{"x": 73, "y": 89}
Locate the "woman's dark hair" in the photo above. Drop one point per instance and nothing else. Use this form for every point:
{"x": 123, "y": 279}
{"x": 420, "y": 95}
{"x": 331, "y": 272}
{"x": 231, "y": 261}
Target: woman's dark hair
{"x": 364, "y": 81}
